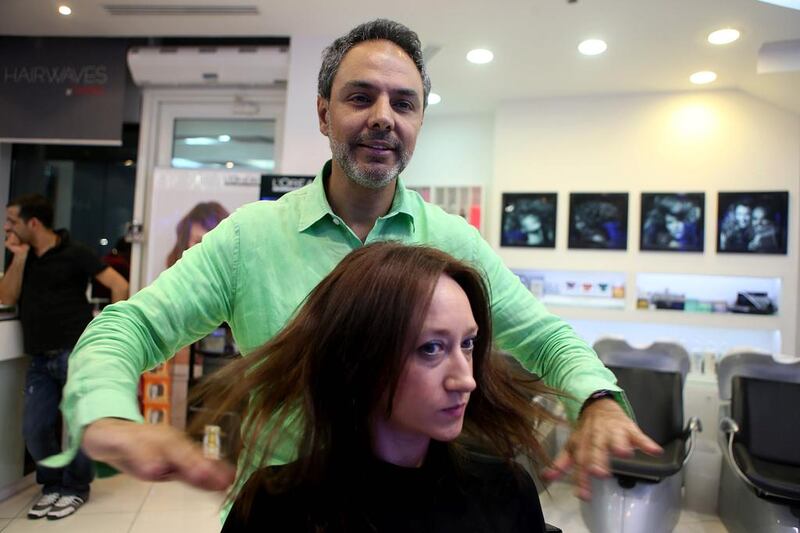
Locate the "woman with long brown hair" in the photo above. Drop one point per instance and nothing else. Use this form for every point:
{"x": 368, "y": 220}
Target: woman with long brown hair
{"x": 387, "y": 380}
{"x": 200, "y": 219}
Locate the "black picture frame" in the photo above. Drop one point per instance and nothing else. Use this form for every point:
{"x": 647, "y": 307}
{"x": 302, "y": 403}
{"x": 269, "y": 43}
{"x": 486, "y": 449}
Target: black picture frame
{"x": 672, "y": 222}
{"x": 753, "y": 222}
{"x": 529, "y": 220}
{"x": 598, "y": 221}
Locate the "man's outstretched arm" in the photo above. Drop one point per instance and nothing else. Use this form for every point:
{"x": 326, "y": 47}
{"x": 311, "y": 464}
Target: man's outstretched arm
{"x": 550, "y": 348}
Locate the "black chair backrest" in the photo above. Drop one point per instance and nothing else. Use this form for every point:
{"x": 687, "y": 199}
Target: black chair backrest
{"x": 768, "y": 414}
{"x": 656, "y": 398}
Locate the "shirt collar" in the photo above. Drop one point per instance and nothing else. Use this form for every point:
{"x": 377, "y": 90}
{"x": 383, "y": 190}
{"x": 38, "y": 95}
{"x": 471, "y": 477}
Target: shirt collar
{"x": 317, "y": 207}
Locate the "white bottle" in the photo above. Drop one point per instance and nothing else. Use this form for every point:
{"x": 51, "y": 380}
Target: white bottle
{"x": 211, "y": 442}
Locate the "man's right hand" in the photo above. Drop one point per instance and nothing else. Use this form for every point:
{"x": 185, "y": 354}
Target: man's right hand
{"x": 15, "y": 246}
{"x": 154, "y": 453}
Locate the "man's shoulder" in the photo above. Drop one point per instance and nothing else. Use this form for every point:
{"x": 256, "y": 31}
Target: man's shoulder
{"x": 437, "y": 217}
{"x": 73, "y": 249}
{"x": 261, "y": 209}
{"x": 446, "y": 231}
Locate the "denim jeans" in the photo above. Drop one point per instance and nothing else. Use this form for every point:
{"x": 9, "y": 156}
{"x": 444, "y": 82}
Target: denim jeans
{"x": 46, "y": 377}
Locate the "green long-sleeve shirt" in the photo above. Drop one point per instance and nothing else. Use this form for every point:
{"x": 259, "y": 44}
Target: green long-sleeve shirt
{"x": 256, "y": 268}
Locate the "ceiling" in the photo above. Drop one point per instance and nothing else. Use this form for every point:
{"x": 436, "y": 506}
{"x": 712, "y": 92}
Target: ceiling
{"x": 653, "y": 45}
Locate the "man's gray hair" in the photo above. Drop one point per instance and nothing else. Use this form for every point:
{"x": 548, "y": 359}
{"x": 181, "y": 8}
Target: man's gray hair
{"x": 378, "y": 29}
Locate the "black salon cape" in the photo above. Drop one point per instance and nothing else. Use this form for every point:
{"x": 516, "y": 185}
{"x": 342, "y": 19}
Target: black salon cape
{"x": 482, "y": 495}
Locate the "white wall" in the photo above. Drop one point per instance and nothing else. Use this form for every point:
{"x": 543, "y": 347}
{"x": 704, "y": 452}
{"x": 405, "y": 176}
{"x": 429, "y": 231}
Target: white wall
{"x": 704, "y": 141}
{"x": 452, "y": 151}
{"x": 304, "y": 148}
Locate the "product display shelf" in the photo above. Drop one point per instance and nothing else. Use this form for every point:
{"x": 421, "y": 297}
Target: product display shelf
{"x": 709, "y": 300}
{"x": 715, "y": 320}
{"x": 582, "y": 302}
{"x": 594, "y": 315}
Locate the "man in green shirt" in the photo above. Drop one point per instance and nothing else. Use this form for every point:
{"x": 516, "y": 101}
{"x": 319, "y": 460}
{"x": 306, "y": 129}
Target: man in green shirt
{"x": 256, "y": 267}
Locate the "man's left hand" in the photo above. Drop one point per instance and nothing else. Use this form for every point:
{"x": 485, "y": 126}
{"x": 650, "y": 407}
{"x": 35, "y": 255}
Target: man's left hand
{"x": 603, "y": 430}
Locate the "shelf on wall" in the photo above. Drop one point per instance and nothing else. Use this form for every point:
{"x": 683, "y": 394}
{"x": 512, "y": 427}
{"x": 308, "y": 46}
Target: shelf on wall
{"x": 582, "y": 301}
{"x": 575, "y": 288}
{"x": 707, "y": 290}
{"x": 596, "y": 303}
{"x": 713, "y": 320}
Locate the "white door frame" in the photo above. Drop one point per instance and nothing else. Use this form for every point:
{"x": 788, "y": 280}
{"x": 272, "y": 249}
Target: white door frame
{"x": 160, "y": 108}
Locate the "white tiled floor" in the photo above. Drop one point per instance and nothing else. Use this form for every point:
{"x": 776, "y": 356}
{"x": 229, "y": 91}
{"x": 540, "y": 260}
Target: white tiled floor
{"x": 124, "y": 505}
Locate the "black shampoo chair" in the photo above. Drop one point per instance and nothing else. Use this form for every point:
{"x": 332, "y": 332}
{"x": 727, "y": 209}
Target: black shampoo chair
{"x": 644, "y": 493}
{"x": 760, "y": 441}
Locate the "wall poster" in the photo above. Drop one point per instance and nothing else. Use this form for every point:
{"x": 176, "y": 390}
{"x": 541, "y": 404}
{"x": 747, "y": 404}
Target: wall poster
{"x": 598, "y": 221}
{"x": 672, "y": 222}
{"x": 529, "y": 220}
{"x": 752, "y": 222}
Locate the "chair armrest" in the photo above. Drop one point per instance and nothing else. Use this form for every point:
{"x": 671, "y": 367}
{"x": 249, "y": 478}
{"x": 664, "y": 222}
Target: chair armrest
{"x": 729, "y": 428}
{"x": 693, "y": 427}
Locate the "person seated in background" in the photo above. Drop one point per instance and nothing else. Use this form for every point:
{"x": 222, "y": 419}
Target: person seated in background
{"x": 388, "y": 379}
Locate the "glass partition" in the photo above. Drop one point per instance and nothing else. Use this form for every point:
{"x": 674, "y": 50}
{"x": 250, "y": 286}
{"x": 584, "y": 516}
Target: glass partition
{"x": 224, "y": 143}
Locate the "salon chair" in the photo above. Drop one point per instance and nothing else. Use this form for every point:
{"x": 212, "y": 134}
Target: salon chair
{"x": 643, "y": 493}
{"x": 759, "y": 435}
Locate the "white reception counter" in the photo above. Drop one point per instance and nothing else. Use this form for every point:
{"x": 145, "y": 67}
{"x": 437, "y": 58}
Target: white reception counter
{"x": 13, "y": 365}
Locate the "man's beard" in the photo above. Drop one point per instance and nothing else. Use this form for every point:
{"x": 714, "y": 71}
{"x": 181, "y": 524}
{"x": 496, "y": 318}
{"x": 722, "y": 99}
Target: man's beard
{"x": 370, "y": 178}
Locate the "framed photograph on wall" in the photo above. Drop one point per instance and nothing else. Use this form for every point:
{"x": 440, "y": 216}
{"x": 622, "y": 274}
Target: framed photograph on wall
{"x": 672, "y": 222}
{"x": 598, "y": 221}
{"x": 529, "y": 220}
{"x": 752, "y": 222}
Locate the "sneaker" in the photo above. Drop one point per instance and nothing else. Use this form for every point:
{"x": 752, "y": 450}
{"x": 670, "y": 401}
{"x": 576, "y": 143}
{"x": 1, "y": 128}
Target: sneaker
{"x": 65, "y": 506}
{"x": 43, "y": 505}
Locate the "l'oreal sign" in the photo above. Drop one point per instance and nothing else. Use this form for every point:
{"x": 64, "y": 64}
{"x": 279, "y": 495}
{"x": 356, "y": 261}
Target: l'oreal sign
{"x": 275, "y": 186}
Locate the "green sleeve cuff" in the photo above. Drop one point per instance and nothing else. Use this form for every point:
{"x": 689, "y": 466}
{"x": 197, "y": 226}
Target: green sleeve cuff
{"x": 87, "y": 409}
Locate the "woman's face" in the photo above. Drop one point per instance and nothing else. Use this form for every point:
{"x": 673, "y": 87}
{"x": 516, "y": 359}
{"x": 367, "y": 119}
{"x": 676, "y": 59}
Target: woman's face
{"x": 759, "y": 216}
{"x": 742, "y": 215}
{"x": 436, "y": 382}
{"x": 196, "y": 232}
{"x": 675, "y": 226}
{"x": 530, "y": 223}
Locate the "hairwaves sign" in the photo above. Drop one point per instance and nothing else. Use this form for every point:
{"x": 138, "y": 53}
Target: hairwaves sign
{"x": 62, "y": 90}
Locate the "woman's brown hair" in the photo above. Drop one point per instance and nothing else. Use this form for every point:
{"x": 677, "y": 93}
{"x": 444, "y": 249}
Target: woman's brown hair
{"x": 322, "y": 376}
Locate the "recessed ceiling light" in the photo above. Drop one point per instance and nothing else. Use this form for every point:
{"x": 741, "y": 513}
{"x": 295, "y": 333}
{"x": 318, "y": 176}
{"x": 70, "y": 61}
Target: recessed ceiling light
{"x": 224, "y": 138}
{"x": 703, "y": 77}
{"x": 479, "y": 56}
{"x": 724, "y": 36}
{"x": 592, "y": 47}
{"x": 229, "y": 164}
{"x": 434, "y": 99}
{"x": 65, "y": 10}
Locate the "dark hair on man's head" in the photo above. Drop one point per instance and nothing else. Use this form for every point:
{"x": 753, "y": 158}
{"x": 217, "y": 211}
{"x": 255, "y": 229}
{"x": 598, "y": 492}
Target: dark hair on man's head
{"x": 378, "y": 29}
{"x": 337, "y": 364}
{"x": 34, "y": 206}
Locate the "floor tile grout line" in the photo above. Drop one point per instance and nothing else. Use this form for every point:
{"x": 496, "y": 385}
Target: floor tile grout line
{"x": 25, "y": 507}
{"x": 141, "y": 506}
